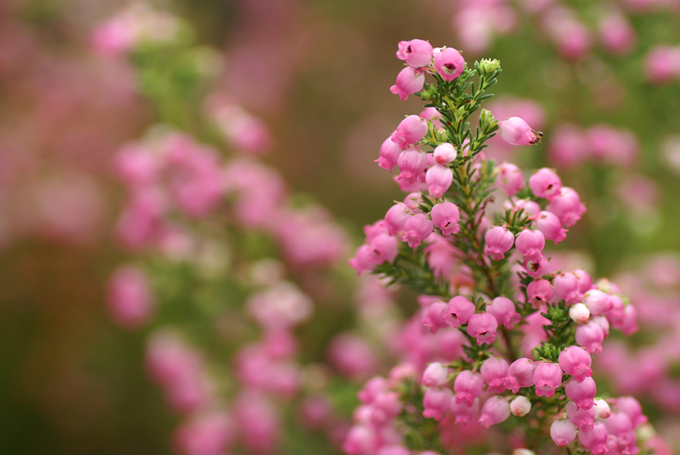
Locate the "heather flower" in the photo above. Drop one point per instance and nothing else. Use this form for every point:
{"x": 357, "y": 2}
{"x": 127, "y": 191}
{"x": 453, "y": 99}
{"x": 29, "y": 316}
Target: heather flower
{"x": 581, "y": 392}
{"x": 129, "y": 297}
{"x": 547, "y": 377}
{"x": 417, "y": 228}
{"x": 520, "y": 374}
{"x": 445, "y": 216}
{"x": 539, "y": 292}
{"x": 545, "y": 184}
{"x": 436, "y": 317}
{"x": 516, "y": 131}
{"x": 495, "y": 410}
{"x": 576, "y": 361}
{"x": 416, "y": 53}
{"x": 631, "y": 407}
{"x": 503, "y": 309}
{"x": 510, "y": 178}
{"x": 410, "y": 131}
{"x": 566, "y": 287}
{"x": 582, "y": 418}
{"x": 498, "y": 241}
{"x": 389, "y": 154}
{"x": 567, "y": 206}
{"x": 449, "y": 63}
{"x": 435, "y": 375}
{"x": 461, "y": 310}
{"x": 468, "y": 386}
{"x": 530, "y": 243}
{"x": 412, "y": 163}
{"x": 482, "y": 326}
{"x": 438, "y": 180}
{"x": 562, "y": 432}
{"x": 595, "y": 439}
{"x": 520, "y": 406}
{"x": 409, "y": 81}
{"x": 436, "y": 402}
{"x": 396, "y": 218}
{"x": 590, "y": 336}
{"x": 493, "y": 371}
{"x": 444, "y": 154}
{"x": 463, "y": 411}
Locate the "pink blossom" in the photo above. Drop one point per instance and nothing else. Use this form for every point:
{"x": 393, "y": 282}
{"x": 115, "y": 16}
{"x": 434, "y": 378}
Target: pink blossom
{"x": 595, "y": 439}
{"x": 530, "y": 243}
{"x": 566, "y": 288}
{"x": 602, "y": 409}
{"x": 435, "y": 375}
{"x": 283, "y": 305}
{"x": 409, "y": 81}
{"x": 539, "y": 292}
{"x": 562, "y": 432}
{"x": 495, "y": 410}
{"x": 498, "y": 241}
{"x": 547, "y": 377}
{"x": 520, "y": 374}
{"x": 582, "y": 418}
{"x": 445, "y": 216}
{"x": 631, "y": 407}
{"x": 436, "y": 402}
{"x": 590, "y": 336}
{"x": 365, "y": 259}
{"x": 444, "y": 154}
{"x": 616, "y": 33}
{"x": 437, "y": 317}
{"x": 531, "y": 208}
{"x": 576, "y": 361}
{"x": 493, "y": 371}
{"x": 584, "y": 281}
{"x": 520, "y": 406}
{"x": 482, "y": 326}
{"x": 461, "y": 310}
{"x": 396, "y": 218}
{"x": 581, "y": 392}
{"x": 568, "y": 146}
{"x": 510, "y": 178}
{"x": 567, "y": 206}
{"x": 603, "y": 323}
{"x": 516, "y": 131}
{"x": 449, "y": 63}
{"x": 417, "y": 228}
{"x": 438, "y": 180}
{"x": 389, "y": 154}
{"x": 353, "y": 356}
{"x": 462, "y": 411}
{"x": 412, "y": 163}
{"x": 503, "y": 309}
{"x": 468, "y": 386}
{"x": 662, "y": 64}
{"x": 417, "y": 53}
{"x": 536, "y": 268}
{"x": 545, "y": 183}
{"x": 258, "y": 423}
{"x": 410, "y": 131}
{"x": 597, "y": 302}
{"x": 550, "y": 226}
{"x": 209, "y": 434}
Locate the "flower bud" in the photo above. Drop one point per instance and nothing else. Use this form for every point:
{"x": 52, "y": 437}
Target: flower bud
{"x": 582, "y": 418}
{"x": 550, "y": 226}
{"x": 444, "y": 154}
{"x": 516, "y": 131}
{"x": 562, "y": 431}
{"x": 520, "y": 406}
{"x": 602, "y": 409}
{"x": 590, "y": 336}
{"x": 438, "y": 179}
{"x": 597, "y": 302}
{"x": 435, "y": 375}
{"x": 389, "y": 154}
{"x": 581, "y": 392}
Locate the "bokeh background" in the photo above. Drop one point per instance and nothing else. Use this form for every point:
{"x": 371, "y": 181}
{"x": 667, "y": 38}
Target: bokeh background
{"x": 317, "y": 73}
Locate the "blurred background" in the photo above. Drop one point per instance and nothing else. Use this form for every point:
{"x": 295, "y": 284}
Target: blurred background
{"x": 600, "y": 79}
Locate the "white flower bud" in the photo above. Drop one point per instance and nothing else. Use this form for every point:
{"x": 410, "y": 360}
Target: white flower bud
{"x": 579, "y": 313}
{"x": 602, "y": 410}
{"x": 520, "y": 406}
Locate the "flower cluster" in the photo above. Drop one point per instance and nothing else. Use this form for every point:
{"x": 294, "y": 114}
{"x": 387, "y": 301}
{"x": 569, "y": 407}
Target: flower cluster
{"x": 524, "y": 332}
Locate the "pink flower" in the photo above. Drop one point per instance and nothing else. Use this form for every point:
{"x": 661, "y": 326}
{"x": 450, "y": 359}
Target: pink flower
{"x": 445, "y": 216}
{"x": 482, "y": 326}
{"x": 631, "y": 407}
{"x": 520, "y": 374}
{"x": 566, "y": 288}
{"x": 503, "y": 309}
{"x": 493, "y": 371}
{"x": 584, "y": 281}
{"x": 444, "y": 154}
{"x": 562, "y": 432}
{"x": 495, "y": 410}
{"x": 536, "y": 269}
{"x": 438, "y": 180}
{"x": 409, "y": 81}
{"x": 530, "y": 243}
{"x": 531, "y": 208}
{"x": 416, "y": 53}
{"x": 520, "y": 406}
{"x": 597, "y": 302}
{"x": 412, "y": 163}
{"x": 662, "y": 64}
{"x": 435, "y": 375}
{"x": 576, "y": 362}
{"x": 449, "y": 63}
{"x": 410, "y": 131}
{"x": 468, "y": 386}
{"x": 510, "y": 178}
{"x": 461, "y": 310}
{"x": 550, "y": 226}
{"x": 389, "y": 154}
{"x": 396, "y": 218}
{"x": 567, "y": 206}
{"x": 516, "y": 131}
{"x": 129, "y": 297}
{"x": 595, "y": 439}
{"x": 582, "y": 418}
{"x": 209, "y": 434}
{"x": 417, "y": 228}
{"x": 385, "y": 247}
{"x": 546, "y": 183}
{"x": 437, "y": 317}
{"x": 498, "y": 241}
{"x": 547, "y": 377}
{"x": 581, "y": 392}
{"x": 539, "y": 292}
{"x": 462, "y": 411}
{"x": 365, "y": 259}
{"x": 616, "y": 33}
{"x": 436, "y": 402}
{"x": 590, "y": 336}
